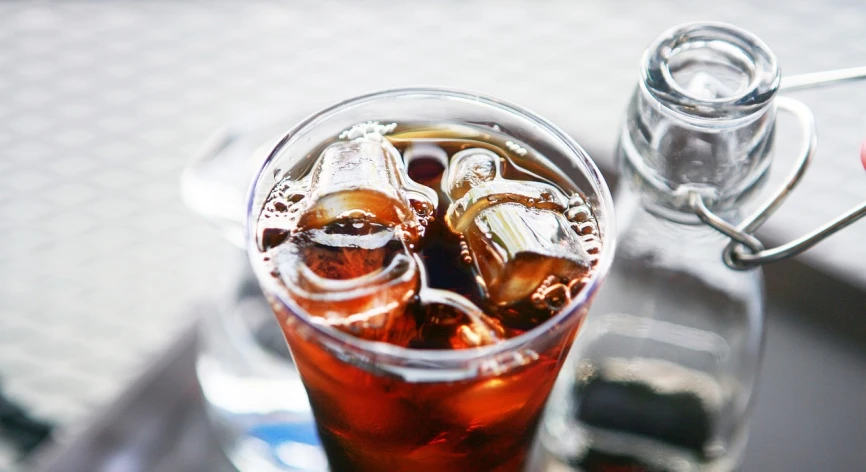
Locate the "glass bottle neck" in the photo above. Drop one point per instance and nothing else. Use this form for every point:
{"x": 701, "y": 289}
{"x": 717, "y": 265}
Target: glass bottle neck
{"x": 702, "y": 117}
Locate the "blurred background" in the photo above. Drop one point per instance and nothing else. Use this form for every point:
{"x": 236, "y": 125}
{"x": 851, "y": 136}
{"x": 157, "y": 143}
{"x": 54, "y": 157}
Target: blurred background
{"x": 102, "y": 104}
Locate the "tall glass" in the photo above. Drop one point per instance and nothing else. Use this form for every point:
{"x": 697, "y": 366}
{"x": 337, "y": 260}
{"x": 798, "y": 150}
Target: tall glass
{"x": 381, "y": 407}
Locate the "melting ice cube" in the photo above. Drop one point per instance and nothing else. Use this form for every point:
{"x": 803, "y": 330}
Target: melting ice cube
{"x": 340, "y": 236}
{"x": 516, "y": 232}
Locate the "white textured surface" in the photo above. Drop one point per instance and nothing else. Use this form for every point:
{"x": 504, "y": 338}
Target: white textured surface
{"x": 101, "y": 104}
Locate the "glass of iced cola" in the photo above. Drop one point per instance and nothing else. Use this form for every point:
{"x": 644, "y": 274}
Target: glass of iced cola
{"x": 430, "y": 255}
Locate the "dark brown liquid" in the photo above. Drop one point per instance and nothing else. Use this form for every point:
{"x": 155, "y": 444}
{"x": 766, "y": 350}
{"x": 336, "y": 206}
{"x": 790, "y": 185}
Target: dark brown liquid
{"x": 361, "y": 246}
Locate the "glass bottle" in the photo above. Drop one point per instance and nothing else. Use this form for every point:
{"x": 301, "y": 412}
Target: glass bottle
{"x": 662, "y": 374}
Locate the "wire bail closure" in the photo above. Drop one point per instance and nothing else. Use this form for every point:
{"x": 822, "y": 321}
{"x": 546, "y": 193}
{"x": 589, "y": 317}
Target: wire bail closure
{"x": 745, "y": 251}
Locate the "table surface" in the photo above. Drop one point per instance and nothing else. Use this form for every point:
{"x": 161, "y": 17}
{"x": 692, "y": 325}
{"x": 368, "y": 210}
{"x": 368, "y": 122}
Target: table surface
{"x": 102, "y": 104}
{"x": 802, "y": 420}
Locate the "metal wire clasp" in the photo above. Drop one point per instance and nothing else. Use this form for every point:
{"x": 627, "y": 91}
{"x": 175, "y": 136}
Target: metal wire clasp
{"x": 745, "y": 251}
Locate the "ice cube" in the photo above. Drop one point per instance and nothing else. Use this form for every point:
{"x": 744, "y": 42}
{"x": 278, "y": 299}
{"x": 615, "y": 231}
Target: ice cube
{"x": 340, "y": 238}
{"x": 363, "y": 178}
{"x": 360, "y": 284}
{"x": 517, "y": 234}
{"x": 516, "y": 248}
{"x": 470, "y": 168}
{"x": 450, "y": 321}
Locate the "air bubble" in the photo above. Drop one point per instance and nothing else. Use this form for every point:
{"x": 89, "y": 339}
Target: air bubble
{"x": 556, "y": 296}
{"x": 575, "y": 286}
{"x": 577, "y": 214}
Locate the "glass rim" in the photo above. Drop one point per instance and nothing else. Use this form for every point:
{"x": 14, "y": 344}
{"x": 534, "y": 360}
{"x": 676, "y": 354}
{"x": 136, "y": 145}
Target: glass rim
{"x": 329, "y": 335}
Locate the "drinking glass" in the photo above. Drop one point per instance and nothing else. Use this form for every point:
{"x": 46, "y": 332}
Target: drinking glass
{"x": 383, "y": 407}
